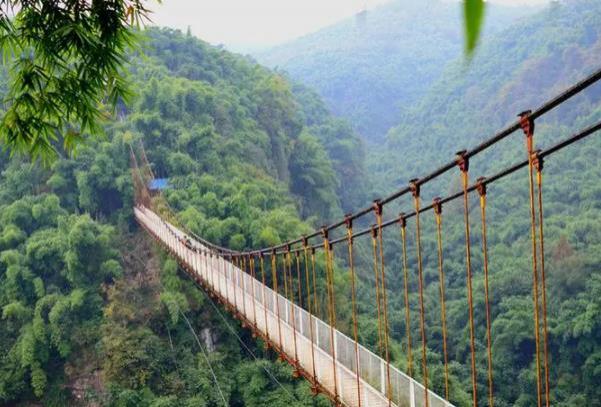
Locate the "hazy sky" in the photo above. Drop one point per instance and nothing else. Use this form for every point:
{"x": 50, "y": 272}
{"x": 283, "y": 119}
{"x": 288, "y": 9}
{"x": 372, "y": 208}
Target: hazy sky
{"x": 246, "y": 24}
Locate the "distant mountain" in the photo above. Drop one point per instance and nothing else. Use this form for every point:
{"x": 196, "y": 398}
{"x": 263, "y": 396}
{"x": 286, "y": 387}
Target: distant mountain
{"x": 369, "y": 68}
{"x": 514, "y": 70}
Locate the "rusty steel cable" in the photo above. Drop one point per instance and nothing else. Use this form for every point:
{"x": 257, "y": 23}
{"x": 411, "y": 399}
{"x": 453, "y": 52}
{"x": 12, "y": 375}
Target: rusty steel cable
{"x": 289, "y": 289}
{"x": 331, "y": 306}
{"x": 309, "y": 306}
{"x": 403, "y": 224}
{"x": 374, "y": 245}
{"x": 349, "y": 234}
{"x": 527, "y": 124}
{"x": 443, "y": 311}
{"x": 415, "y": 190}
{"x": 540, "y": 111}
{"x": 274, "y": 277}
{"x": 299, "y": 284}
{"x": 501, "y": 174}
{"x": 251, "y": 261}
{"x": 463, "y": 163}
{"x": 315, "y": 296}
{"x": 482, "y": 193}
{"x": 378, "y": 211}
{"x": 538, "y": 164}
{"x": 262, "y": 268}
{"x": 242, "y": 283}
{"x": 233, "y": 278}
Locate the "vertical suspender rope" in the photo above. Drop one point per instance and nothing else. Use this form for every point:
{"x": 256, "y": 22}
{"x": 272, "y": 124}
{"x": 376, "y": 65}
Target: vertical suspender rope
{"x": 186, "y": 253}
{"x": 538, "y": 164}
{"x": 463, "y": 163}
{"x": 230, "y": 275}
{"x": 378, "y": 211}
{"x": 245, "y": 273}
{"x": 227, "y": 277}
{"x": 209, "y": 260}
{"x": 349, "y": 236}
{"x": 210, "y": 272}
{"x": 309, "y": 306}
{"x": 300, "y": 292}
{"x": 403, "y": 223}
{"x": 527, "y": 125}
{"x": 331, "y": 306}
{"x": 286, "y": 259}
{"x": 274, "y": 277}
{"x": 415, "y": 190}
{"x": 334, "y": 318}
{"x": 443, "y": 312}
{"x": 262, "y": 267}
{"x": 315, "y": 297}
{"x": 194, "y": 266}
{"x": 235, "y": 276}
{"x": 289, "y": 295}
{"x": 243, "y": 285}
{"x": 225, "y": 296}
{"x": 299, "y": 284}
{"x": 481, "y": 187}
{"x": 251, "y": 262}
{"x": 291, "y": 317}
{"x": 374, "y": 245}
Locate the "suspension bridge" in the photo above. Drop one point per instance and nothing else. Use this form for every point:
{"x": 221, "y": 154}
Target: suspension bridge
{"x": 273, "y": 290}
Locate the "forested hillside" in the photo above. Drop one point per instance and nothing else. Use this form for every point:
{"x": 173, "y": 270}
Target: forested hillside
{"x": 371, "y": 67}
{"x": 517, "y": 69}
{"x": 92, "y": 314}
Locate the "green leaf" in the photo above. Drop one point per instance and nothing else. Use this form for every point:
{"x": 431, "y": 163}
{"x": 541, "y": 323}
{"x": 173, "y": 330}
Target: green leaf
{"x": 473, "y": 14}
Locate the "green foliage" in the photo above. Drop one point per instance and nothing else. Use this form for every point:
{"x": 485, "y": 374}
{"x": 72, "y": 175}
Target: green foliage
{"x": 312, "y": 172}
{"x": 135, "y": 358}
{"x": 235, "y": 141}
{"x": 47, "y": 298}
{"x": 64, "y": 62}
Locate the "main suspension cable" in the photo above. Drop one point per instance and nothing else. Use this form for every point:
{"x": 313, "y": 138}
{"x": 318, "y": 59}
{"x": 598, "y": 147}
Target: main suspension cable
{"x": 540, "y": 111}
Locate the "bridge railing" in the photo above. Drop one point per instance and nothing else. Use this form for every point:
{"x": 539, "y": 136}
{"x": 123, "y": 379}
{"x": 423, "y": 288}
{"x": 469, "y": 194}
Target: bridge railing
{"x": 289, "y": 328}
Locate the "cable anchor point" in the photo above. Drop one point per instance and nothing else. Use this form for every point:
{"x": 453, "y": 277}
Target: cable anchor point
{"x": 414, "y": 185}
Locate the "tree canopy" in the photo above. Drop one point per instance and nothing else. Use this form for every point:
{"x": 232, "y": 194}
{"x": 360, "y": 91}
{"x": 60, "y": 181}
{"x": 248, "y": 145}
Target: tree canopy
{"x": 66, "y": 67}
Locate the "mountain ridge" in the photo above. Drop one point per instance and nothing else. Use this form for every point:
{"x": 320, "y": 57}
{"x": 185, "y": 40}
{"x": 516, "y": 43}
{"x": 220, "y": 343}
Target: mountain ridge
{"x": 368, "y": 69}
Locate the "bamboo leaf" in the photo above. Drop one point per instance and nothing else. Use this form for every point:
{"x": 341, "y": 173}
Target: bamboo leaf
{"x": 473, "y": 15}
